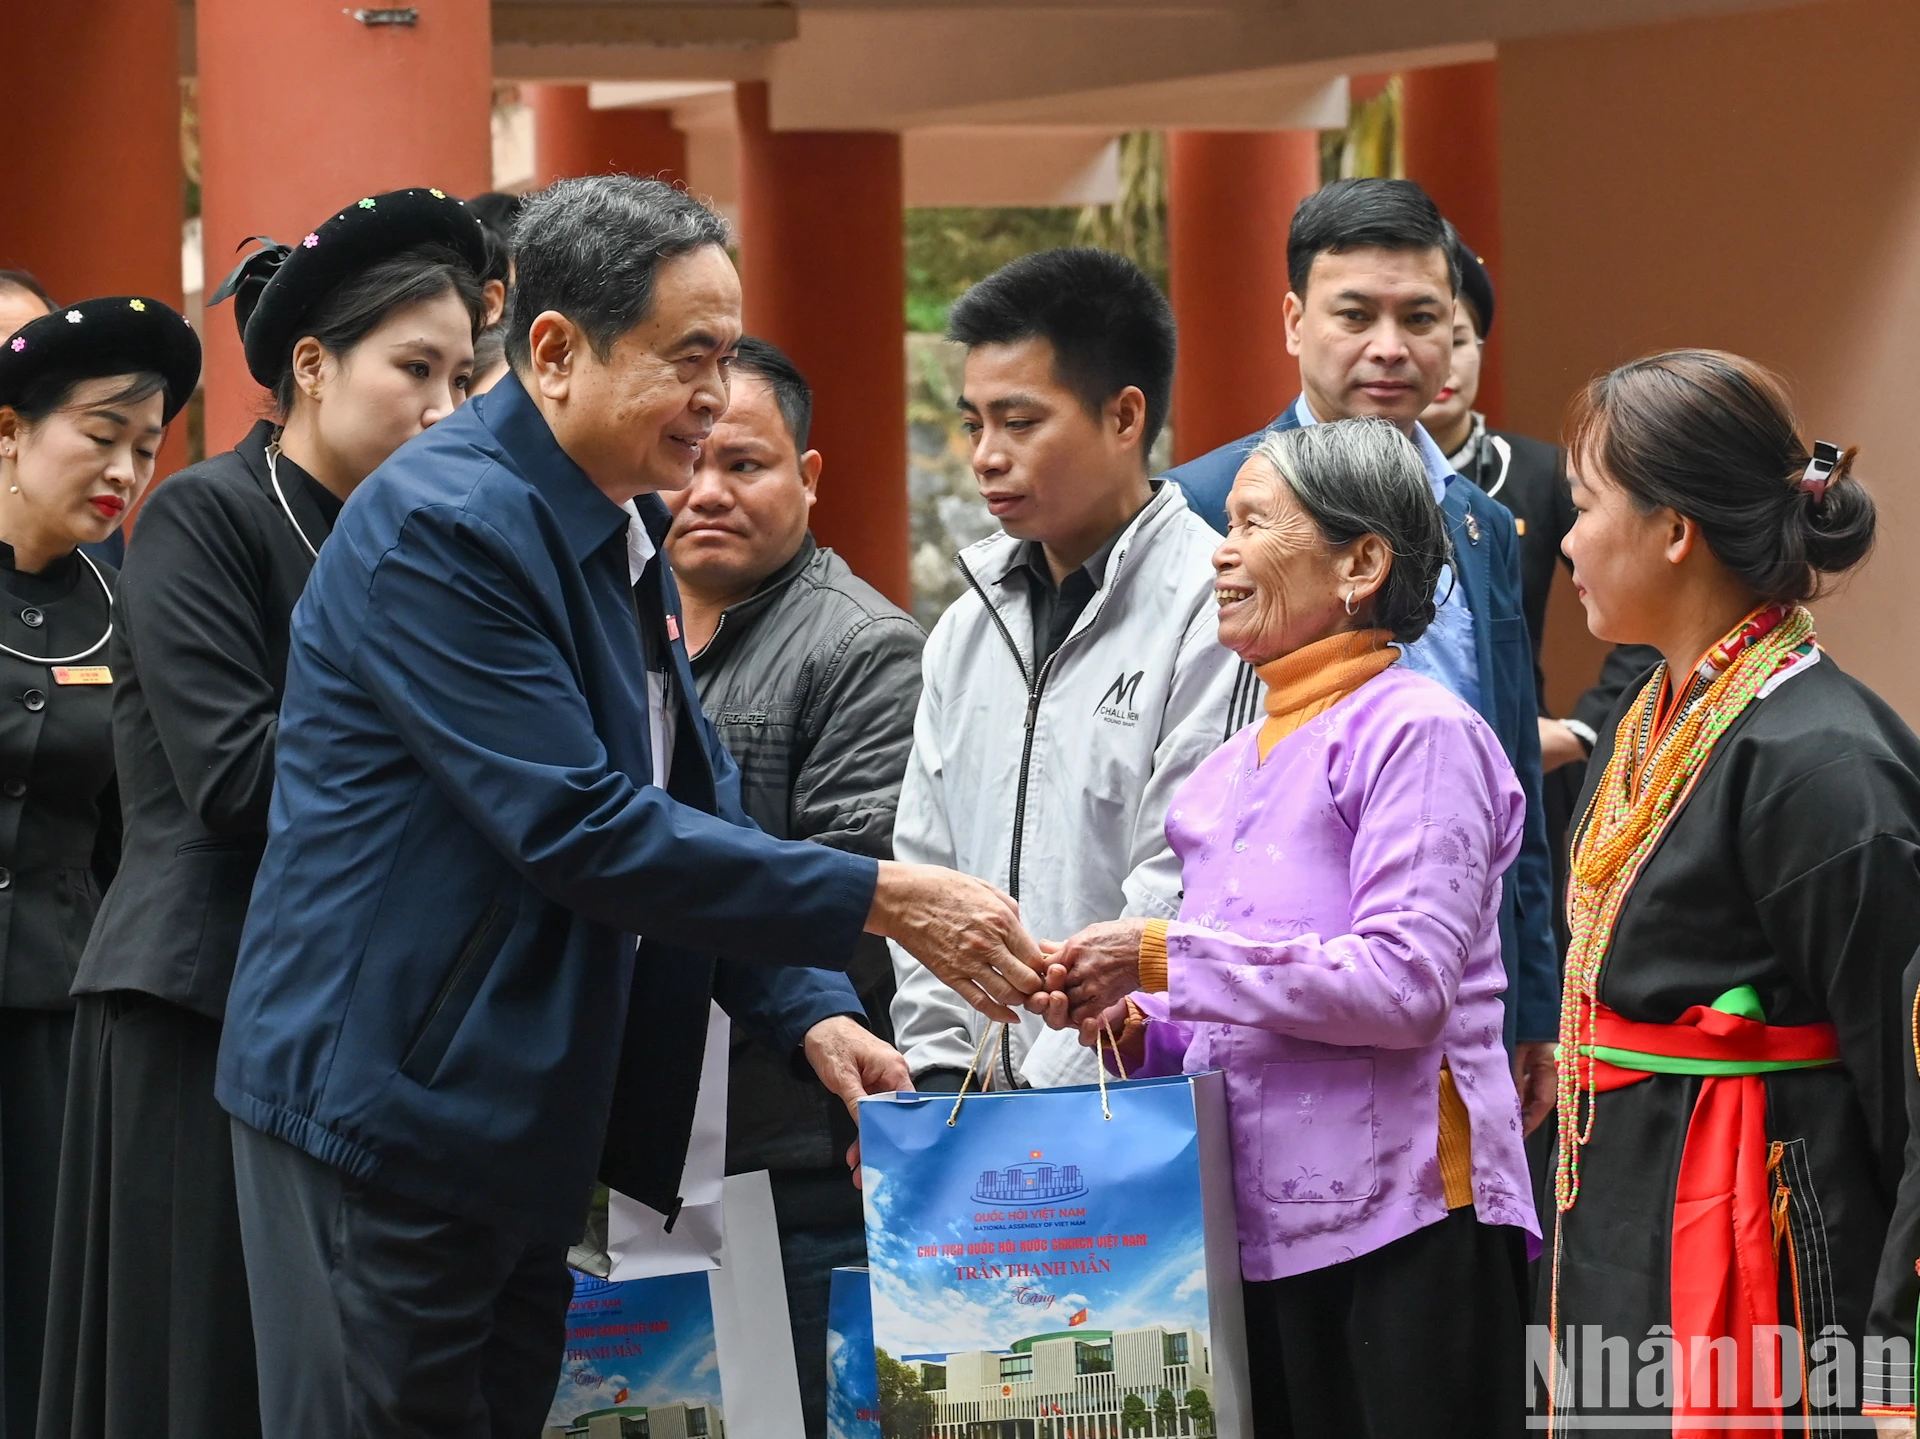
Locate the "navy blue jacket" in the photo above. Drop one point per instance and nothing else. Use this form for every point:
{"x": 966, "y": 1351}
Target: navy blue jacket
{"x": 437, "y": 988}
{"x": 1488, "y": 553}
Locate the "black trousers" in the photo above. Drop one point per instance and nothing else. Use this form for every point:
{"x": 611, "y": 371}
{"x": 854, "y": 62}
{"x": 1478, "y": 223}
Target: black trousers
{"x": 34, "y": 1045}
{"x": 1425, "y": 1336}
{"x": 378, "y": 1317}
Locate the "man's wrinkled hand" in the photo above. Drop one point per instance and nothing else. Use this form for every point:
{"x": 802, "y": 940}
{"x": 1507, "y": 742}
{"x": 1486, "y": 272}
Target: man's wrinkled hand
{"x": 853, "y": 1062}
{"x": 964, "y": 930}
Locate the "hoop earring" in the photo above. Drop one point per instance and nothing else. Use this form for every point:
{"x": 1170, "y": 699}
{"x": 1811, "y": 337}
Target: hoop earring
{"x": 1349, "y": 602}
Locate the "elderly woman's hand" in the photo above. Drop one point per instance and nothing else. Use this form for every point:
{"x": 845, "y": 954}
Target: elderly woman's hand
{"x": 1096, "y": 969}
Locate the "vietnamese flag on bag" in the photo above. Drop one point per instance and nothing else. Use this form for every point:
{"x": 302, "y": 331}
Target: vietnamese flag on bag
{"x": 1077, "y": 1319}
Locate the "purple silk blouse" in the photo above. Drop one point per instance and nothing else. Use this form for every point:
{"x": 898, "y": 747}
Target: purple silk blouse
{"x": 1339, "y": 936}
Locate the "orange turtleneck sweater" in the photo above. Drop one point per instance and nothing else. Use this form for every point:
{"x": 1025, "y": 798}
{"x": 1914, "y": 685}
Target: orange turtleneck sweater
{"x": 1301, "y": 687}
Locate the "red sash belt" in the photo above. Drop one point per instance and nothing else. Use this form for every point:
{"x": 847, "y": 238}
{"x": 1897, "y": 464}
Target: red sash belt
{"x": 1725, "y": 1274}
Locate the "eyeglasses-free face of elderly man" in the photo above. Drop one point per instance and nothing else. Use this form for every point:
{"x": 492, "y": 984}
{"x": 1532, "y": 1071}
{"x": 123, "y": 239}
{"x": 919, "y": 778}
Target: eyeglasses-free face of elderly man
{"x": 1337, "y": 954}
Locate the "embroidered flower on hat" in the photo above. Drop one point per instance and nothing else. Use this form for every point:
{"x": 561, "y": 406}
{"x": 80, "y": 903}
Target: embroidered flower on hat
{"x": 19, "y": 344}
{"x": 311, "y": 240}
{"x": 366, "y": 204}
{"x": 438, "y": 194}
{"x": 140, "y": 305}
{"x": 73, "y": 317}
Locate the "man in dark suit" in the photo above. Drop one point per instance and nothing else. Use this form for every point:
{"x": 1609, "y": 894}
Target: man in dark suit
{"x": 492, "y": 774}
{"x": 1370, "y": 317}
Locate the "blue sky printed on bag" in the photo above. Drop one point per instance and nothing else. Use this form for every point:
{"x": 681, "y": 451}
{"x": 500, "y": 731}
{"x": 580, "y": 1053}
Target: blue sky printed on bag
{"x": 638, "y": 1343}
{"x": 1032, "y": 1215}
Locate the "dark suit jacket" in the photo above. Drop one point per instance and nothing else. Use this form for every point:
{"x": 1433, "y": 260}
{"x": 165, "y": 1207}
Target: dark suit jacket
{"x": 1485, "y": 551}
{"x": 199, "y": 656}
{"x": 438, "y": 990}
{"x": 59, "y": 813}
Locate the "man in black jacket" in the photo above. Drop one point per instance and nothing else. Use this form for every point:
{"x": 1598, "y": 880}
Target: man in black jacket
{"x": 811, "y": 678}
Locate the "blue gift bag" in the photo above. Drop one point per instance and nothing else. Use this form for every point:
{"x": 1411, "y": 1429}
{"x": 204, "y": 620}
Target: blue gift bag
{"x": 853, "y": 1382}
{"x": 1056, "y": 1263}
{"x": 642, "y": 1350}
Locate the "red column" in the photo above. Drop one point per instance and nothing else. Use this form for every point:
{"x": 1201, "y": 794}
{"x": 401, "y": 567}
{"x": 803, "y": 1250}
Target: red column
{"x": 572, "y": 138}
{"x": 1230, "y": 198}
{"x": 304, "y": 109}
{"x": 92, "y": 94}
{"x": 1450, "y": 125}
{"x": 823, "y": 265}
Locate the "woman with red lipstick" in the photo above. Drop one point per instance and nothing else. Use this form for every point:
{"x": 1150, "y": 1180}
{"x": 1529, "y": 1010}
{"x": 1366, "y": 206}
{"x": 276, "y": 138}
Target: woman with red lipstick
{"x": 86, "y": 393}
{"x": 1745, "y": 894}
{"x": 363, "y": 333}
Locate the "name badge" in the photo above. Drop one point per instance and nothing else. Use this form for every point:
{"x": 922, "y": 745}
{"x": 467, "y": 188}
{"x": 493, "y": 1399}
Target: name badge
{"x": 82, "y": 675}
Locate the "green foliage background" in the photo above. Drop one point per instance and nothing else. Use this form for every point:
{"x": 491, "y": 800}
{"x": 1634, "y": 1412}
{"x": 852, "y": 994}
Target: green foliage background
{"x": 949, "y": 249}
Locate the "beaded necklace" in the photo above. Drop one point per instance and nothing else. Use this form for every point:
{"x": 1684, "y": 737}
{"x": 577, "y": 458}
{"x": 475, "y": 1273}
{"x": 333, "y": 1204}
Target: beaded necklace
{"x": 1656, "y": 761}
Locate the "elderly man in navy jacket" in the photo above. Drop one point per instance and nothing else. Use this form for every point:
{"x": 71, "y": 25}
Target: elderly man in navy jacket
{"x": 1370, "y": 316}
{"x": 493, "y": 774}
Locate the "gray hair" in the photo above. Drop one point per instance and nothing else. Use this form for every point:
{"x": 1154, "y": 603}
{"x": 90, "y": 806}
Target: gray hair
{"x": 1363, "y": 477}
{"x": 588, "y": 249}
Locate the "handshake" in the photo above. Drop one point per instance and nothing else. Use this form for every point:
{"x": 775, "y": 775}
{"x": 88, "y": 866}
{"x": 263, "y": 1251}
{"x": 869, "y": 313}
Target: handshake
{"x": 970, "y": 936}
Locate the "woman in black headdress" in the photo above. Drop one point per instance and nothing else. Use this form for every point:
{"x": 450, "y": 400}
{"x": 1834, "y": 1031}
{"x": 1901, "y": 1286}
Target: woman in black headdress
{"x": 363, "y": 331}
{"x": 86, "y": 393}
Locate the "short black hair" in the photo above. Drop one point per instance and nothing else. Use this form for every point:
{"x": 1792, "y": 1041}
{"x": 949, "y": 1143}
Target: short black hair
{"x": 588, "y": 249}
{"x": 1365, "y": 215}
{"x": 791, "y": 392}
{"x": 24, "y": 280}
{"x": 1108, "y": 323}
{"x": 356, "y": 306}
{"x": 496, "y": 212}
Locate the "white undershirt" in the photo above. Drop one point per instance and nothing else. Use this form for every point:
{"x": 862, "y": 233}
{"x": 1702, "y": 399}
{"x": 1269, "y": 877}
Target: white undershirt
{"x": 660, "y": 714}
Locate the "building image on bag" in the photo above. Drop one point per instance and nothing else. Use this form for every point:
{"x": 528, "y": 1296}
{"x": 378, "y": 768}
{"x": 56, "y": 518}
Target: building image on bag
{"x": 651, "y": 1421}
{"x": 1078, "y": 1384}
{"x": 1030, "y": 1184}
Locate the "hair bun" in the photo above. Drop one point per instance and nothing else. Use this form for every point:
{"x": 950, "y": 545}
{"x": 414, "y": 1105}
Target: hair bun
{"x": 1837, "y": 527}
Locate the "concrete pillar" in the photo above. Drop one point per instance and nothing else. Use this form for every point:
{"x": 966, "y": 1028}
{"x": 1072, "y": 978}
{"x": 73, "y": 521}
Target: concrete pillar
{"x": 1230, "y": 198}
{"x": 823, "y": 266}
{"x": 572, "y": 138}
{"x": 93, "y": 153}
{"x": 304, "y": 109}
{"x": 1450, "y": 136}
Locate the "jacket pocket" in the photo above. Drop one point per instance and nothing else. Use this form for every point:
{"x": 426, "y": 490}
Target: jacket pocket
{"x": 1316, "y": 1131}
{"x": 455, "y": 996}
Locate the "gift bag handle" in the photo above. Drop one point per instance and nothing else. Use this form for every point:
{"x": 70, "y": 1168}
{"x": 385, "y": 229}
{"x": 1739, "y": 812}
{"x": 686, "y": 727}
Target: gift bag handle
{"x": 1100, "y": 1068}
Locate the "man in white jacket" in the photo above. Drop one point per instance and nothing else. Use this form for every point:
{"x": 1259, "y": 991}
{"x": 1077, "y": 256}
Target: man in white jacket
{"x": 1076, "y": 684}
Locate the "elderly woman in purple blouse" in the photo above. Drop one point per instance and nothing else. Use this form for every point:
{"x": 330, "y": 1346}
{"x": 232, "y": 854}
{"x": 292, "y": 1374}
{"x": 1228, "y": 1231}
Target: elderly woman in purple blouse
{"x": 1337, "y": 954}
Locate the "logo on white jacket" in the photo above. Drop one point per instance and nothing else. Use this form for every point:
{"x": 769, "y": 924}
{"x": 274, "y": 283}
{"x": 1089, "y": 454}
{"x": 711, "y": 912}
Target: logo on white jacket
{"x": 1119, "y": 705}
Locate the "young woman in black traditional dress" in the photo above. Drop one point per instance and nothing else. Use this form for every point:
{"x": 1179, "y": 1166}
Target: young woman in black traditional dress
{"x": 86, "y": 393}
{"x": 1745, "y": 894}
{"x": 364, "y": 333}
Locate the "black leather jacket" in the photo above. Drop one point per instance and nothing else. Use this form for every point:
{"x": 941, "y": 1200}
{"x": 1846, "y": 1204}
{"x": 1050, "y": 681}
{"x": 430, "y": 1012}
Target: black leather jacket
{"x": 812, "y": 684}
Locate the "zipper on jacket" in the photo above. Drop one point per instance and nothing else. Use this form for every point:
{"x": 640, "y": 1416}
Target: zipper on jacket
{"x": 468, "y": 953}
{"x": 1036, "y": 683}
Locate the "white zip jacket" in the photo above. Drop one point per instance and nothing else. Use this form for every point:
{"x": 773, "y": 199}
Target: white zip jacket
{"x": 1055, "y": 785}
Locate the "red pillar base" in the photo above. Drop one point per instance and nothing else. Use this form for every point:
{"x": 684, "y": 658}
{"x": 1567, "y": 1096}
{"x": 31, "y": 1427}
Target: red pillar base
{"x": 827, "y": 285}
{"x": 1230, "y": 198}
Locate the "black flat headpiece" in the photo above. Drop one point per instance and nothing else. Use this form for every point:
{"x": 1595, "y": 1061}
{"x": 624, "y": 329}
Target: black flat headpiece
{"x": 276, "y": 289}
{"x": 114, "y": 335}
